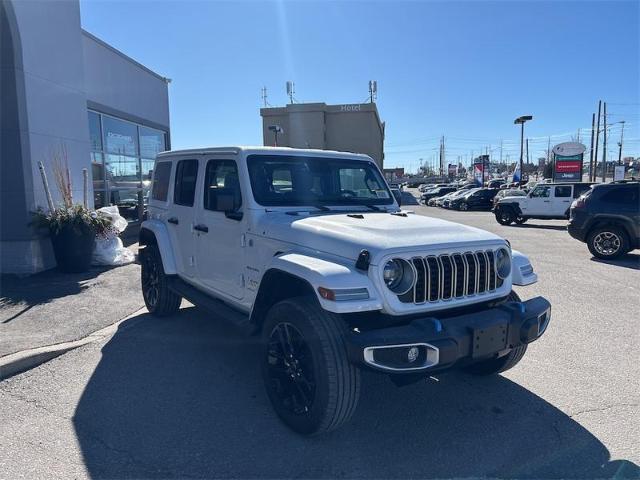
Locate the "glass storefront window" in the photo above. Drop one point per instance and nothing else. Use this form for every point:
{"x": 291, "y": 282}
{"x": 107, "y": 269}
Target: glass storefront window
{"x": 97, "y": 170}
{"x": 130, "y": 203}
{"x": 95, "y": 135}
{"x": 122, "y": 161}
{"x": 152, "y": 142}
{"x": 120, "y": 137}
{"x": 122, "y": 172}
{"x": 99, "y": 199}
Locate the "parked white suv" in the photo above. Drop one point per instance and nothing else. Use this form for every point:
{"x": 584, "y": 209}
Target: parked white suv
{"x": 545, "y": 201}
{"x": 310, "y": 250}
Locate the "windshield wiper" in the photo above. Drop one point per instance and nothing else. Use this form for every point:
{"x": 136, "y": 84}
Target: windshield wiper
{"x": 371, "y": 207}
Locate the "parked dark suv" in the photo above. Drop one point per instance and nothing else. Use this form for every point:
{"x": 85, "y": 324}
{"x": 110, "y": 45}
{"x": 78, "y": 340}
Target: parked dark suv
{"x": 481, "y": 199}
{"x": 607, "y": 219}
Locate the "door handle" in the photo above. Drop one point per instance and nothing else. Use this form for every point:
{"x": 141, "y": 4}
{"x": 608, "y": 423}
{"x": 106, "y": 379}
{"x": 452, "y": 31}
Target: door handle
{"x": 173, "y": 220}
{"x": 201, "y": 228}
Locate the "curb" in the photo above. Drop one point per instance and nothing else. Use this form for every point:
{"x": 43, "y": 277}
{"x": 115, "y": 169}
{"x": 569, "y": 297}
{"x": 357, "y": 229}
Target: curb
{"x": 24, "y": 360}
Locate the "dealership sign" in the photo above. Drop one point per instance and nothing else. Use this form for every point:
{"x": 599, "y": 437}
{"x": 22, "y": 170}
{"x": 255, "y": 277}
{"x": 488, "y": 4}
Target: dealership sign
{"x": 478, "y": 171}
{"x": 567, "y": 160}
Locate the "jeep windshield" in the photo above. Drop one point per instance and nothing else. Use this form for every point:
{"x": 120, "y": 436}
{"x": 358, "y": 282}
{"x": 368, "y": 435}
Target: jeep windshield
{"x": 286, "y": 181}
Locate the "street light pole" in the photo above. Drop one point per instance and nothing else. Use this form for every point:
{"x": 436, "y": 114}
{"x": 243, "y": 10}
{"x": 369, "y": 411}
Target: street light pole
{"x": 522, "y": 120}
{"x": 620, "y": 144}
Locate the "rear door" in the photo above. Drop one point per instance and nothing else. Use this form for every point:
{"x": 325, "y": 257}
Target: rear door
{"x": 180, "y": 216}
{"x": 562, "y": 198}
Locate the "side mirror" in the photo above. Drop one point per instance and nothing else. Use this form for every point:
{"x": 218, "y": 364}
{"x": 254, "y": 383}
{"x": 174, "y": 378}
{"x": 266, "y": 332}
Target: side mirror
{"x": 229, "y": 202}
{"x": 397, "y": 194}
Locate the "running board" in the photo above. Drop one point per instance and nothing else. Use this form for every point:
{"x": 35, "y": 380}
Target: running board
{"x": 213, "y": 305}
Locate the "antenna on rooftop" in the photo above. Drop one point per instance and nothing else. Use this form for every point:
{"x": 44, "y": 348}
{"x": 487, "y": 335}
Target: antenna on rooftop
{"x": 263, "y": 94}
{"x": 373, "y": 91}
{"x": 290, "y": 90}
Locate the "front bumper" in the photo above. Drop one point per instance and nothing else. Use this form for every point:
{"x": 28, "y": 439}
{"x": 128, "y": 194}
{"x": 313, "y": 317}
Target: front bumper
{"x": 451, "y": 342}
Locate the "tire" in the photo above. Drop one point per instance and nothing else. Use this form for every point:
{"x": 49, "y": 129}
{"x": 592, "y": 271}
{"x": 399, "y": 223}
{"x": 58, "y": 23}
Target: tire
{"x": 463, "y": 207}
{"x": 159, "y": 300}
{"x": 327, "y": 390}
{"x": 505, "y": 216}
{"x": 608, "y": 242}
{"x": 494, "y": 366}
{"x": 520, "y": 220}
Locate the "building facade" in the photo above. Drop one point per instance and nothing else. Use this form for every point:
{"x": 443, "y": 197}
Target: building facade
{"x": 350, "y": 128}
{"x": 65, "y": 92}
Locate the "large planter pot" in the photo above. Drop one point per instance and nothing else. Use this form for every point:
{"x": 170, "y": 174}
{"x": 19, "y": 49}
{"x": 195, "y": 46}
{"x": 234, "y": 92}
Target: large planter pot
{"x": 73, "y": 248}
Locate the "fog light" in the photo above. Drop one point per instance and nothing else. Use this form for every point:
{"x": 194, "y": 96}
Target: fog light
{"x": 412, "y": 354}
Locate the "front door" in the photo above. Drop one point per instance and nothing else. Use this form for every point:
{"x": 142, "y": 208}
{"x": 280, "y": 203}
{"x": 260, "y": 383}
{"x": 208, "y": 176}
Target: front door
{"x": 180, "y": 215}
{"x": 220, "y": 228}
{"x": 538, "y": 203}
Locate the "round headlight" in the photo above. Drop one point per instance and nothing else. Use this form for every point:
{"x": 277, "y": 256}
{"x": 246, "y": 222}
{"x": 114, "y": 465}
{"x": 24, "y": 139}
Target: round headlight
{"x": 503, "y": 263}
{"x": 392, "y": 273}
{"x": 398, "y": 276}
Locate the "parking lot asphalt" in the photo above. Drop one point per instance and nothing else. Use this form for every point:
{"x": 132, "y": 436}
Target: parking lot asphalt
{"x": 182, "y": 396}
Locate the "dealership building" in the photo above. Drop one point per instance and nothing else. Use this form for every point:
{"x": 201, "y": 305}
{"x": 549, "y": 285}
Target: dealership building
{"x": 65, "y": 92}
{"x": 348, "y": 128}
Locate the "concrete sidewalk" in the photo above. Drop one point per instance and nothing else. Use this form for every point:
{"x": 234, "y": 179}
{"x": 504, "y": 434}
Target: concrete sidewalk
{"x": 53, "y": 308}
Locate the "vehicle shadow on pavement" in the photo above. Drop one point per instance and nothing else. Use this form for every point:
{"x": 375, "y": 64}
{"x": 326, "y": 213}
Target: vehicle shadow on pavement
{"x": 183, "y": 397}
{"x": 630, "y": 260}
{"x": 541, "y": 226}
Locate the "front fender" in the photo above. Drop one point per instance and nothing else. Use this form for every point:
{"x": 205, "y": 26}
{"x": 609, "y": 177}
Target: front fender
{"x": 521, "y": 269}
{"x": 342, "y": 279}
{"x": 163, "y": 241}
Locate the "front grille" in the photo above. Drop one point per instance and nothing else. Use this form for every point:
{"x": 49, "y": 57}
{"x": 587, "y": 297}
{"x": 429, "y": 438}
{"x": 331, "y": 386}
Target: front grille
{"x": 452, "y": 276}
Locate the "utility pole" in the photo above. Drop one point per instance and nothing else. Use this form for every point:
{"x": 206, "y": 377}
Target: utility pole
{"x": 604, "y": 145}
{"x": 549, "y": 150}
{"x": 442, "y": 156}
{"x": 593, "y": 127}
{"x": 620, "y": 144}
{"x": 595, "y": 155}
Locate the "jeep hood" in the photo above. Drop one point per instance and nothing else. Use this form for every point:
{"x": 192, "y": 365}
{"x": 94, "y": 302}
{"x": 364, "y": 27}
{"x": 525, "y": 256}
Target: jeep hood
{"x": 379, "y": 233}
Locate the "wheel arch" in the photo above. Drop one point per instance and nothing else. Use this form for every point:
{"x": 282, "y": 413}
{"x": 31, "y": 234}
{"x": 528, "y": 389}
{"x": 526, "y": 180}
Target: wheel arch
{"x": 277, "y": 285}
{"x": 600, "y": 222}
{"x": 154, "y": 232}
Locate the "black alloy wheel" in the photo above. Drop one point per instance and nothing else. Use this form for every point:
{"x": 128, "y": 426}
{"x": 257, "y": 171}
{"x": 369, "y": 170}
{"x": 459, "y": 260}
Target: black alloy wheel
{"x": 291, "y": 369}
{"x": 158, "y": 297}
{"x": 505, "y": 216}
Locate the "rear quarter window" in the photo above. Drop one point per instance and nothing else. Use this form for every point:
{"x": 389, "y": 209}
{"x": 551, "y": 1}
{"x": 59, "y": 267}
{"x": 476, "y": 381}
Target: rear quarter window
{"x": 161, "y": 176}
{"x": 623, "y": 195}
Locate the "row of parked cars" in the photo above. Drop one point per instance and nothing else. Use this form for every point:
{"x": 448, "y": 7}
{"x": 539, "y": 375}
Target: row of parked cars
{"x": 465, "y": 197}
{"x": 604, "y": 216}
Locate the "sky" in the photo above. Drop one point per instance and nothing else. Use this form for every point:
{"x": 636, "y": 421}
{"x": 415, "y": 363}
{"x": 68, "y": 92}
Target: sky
{"x": 459, "y": 69}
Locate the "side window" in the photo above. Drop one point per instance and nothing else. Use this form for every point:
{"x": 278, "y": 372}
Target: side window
{"x": 221, "y": 180}
{"x": 541, "y": 192}
{"x": 185, "y": 186}
{"x": 563, "y": 191}
{"x": 621, "y": 196}
{"x": 161, "y": 181}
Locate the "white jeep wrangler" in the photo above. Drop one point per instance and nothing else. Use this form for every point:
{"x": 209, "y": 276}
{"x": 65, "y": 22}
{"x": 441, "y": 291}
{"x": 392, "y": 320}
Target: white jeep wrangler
{"x": 546, "y": 201}
{"x": 310, "y": 250}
